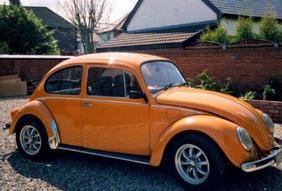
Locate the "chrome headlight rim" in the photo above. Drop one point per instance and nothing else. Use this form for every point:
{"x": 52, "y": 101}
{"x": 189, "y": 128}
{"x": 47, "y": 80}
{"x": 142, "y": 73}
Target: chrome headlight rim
{"x": 268, "y": 121}
{"x": 245, "y": 138}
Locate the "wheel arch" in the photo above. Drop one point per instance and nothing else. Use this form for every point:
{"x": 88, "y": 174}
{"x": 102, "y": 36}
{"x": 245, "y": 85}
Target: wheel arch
{"x": 220, "y": 131}
{"x": 38, "y": 111}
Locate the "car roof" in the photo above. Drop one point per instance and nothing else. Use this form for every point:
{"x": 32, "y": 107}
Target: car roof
{"x": 131, "y": 60}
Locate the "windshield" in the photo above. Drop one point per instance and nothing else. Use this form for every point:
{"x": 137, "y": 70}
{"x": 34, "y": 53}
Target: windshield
{"x": 161, "y": 75}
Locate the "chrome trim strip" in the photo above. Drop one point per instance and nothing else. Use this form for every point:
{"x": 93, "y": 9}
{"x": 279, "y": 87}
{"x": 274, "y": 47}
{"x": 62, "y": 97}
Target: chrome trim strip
{"x": 105, "y": 155}
{"x": 252, "y": 166}
{"x": 55, "y": 139}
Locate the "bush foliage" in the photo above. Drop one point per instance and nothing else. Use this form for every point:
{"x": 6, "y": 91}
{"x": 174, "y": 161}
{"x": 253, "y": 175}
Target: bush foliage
{"x": 249, "y": 95}
{"x": 228, "y": 86}
{"x": 206, "y": 82}
{"x": 269, "y": 29}
{"x": 218, "y": 35}
{"x": 23, "y": 33}
{"x": 244, "y": 29}
{"x": 269, "y": 93}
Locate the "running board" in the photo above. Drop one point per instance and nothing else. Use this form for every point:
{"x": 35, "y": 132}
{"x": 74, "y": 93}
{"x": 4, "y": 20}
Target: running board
{"x": 124, "y": 157}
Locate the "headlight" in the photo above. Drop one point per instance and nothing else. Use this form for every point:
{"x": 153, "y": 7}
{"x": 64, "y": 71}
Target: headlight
{"x": 268, "y": 121}
{"x": 245, "y": 138}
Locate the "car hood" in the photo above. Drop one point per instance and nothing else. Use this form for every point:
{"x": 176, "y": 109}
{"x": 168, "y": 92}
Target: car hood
{"x": 225, "y": 106}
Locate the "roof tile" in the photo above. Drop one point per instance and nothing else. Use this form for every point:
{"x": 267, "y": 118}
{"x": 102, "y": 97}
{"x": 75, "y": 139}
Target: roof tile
{"x": 254, "y": 8}
{"x": 141, "y": 39}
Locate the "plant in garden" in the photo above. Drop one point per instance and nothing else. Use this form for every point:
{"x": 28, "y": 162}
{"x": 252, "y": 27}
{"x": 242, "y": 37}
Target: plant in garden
{"x": 269, "y": 27}
{"x": 190, "y": 82}
{"x": 249, "y": 95}
{"x": 218, "y": 35}
{"x": 3, "y": 48}
{"x": 23, "y": 33}
{"x": 269, "y": 93}
{"x": 206, "y": 82}
{"x": 229, "y": 87}
{"x": 244, "y": 29}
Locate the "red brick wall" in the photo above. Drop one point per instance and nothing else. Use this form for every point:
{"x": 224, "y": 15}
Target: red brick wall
{"x": 273, "y": 108}
{"x": 28, "y": 68}
{"x": 249, "y": 67}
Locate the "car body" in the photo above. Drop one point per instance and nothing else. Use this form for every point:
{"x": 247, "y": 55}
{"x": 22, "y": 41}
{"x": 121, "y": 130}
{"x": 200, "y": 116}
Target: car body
{"x": 137, "y": 107}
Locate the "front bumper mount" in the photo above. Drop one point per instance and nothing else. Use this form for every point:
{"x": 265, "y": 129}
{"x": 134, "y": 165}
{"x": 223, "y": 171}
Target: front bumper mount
{"x": 261, "y": 163}
{"x": 6, "y": 126}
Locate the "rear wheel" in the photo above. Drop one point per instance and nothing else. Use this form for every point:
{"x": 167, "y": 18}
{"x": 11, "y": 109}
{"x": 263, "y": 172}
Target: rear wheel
{"x": 197, "y": 162}
{"x": 32, "y": 139}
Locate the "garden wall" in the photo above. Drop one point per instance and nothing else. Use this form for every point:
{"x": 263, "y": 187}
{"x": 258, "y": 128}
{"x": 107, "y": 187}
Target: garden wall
{"x": 250, "y": 67}
{"x": 28, "y": 68}
{"x": 273, "y": 108}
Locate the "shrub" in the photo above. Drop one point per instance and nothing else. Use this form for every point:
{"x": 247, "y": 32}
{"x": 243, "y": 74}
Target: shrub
{"x": 190, "y": 82}
{"x": 249, "y": 95}
{"x": 24, "y": 33}
{"x": 229, "y": 87}
{"x": 269, "y": 93}
{"x": 244, "y": 29}
{"x": 219, "y": 35}
{"x": 3, "y": 48}
{"x": 206, "y": 82}
{"x": 269, "y": 28}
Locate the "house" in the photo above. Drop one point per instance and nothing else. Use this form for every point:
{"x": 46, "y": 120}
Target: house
{"x": 64, "y": 31}
{"x": 112, "y": 31}
{"x": 106, "y": 33}
{"x": 157, "y": 24}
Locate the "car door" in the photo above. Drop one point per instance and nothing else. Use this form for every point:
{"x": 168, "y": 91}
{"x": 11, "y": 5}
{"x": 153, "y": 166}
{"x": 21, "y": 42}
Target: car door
{"x": 63, "y": 90}
{"x": 111, "y": 121}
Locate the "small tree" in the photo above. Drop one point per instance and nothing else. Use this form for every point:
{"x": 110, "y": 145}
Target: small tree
{"x": 244, "y": 29}
{"x": 269, "y": 28}
{"x": 23, "y": 33}
{"x": 218, "y": 35}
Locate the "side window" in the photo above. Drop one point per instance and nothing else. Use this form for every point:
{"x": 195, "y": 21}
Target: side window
{"x": 110, "y": 82}
{"x": 66, "y": 81}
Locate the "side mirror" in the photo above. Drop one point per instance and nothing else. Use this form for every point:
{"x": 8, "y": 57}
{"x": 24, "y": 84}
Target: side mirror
{"x": 135, "y": 94}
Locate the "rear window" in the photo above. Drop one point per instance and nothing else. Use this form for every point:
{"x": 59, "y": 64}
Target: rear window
{"x": 66, "y": 81}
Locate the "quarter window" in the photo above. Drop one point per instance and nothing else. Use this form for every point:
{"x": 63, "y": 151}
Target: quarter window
{"x": 66, "y": 81}
{"x": 110, "y": 82}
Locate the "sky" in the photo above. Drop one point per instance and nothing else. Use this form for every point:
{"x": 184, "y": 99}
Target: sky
{"x": 119, "y": 8}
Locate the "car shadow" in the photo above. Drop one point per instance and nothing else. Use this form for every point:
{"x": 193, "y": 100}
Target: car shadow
{"x": 70, "y": 171}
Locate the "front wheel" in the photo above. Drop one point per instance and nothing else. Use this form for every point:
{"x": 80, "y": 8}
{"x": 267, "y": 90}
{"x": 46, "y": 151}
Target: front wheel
{"x": 32, "y": 139}
{"x": 197, "y": 162}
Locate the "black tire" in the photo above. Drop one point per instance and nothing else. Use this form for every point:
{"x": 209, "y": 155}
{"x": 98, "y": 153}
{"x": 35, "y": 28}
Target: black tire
{"x": 216, "y": 159}
{"x": 44, "y": 148}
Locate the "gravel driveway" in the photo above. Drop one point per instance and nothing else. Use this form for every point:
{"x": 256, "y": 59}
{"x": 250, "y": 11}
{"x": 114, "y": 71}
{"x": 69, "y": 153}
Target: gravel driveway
{"x": 70, "y": 171}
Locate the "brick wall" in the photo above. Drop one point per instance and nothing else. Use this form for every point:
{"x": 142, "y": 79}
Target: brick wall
{"x": 28, "y": 67}
{"x": 273, "y": 108}
{"x": 249, "y": 67}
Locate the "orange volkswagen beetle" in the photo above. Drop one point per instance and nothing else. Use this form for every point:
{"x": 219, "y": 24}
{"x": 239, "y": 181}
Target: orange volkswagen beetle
{"x": 138, "y": 108}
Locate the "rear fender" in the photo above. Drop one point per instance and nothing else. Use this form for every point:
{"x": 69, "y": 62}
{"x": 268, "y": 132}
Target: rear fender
{"x": 221, "y": 131}
{"x": 37, "y": 109}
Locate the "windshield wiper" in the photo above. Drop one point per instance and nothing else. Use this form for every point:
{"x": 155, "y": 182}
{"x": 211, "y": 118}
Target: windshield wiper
{"x": 170, "y": 86}
{"x": 182, "y": 84}
{"x": 174, "y": 85}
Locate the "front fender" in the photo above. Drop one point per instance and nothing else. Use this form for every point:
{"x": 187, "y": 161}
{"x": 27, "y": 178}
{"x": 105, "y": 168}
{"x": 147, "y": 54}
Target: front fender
{"x": 221, "y": 131}
{"x": 39, "y": 110}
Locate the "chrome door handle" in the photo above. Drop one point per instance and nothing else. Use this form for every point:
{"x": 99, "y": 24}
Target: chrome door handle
{"x": 86, "y": 104}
